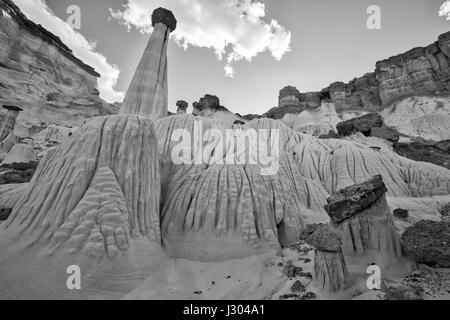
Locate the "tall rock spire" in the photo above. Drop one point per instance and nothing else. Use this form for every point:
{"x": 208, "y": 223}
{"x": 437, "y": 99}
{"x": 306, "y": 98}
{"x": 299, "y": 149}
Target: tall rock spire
{"x": 147, "y": 94}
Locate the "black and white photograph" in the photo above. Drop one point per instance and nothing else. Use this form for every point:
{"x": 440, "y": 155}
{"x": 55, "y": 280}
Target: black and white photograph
{"x": 222, "y": 155}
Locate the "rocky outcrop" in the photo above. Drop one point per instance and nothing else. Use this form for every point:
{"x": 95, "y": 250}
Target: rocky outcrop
{"x": 425, "y": 151}
{"x": 93, "y": 202}
{"x": 41, "y": 75}
{"x": 338, "y": 163}
{"x": 428, "y": 242}
{"x": 195, "y": 108}
{"x": 352, "y": 200}
{"x": 364, "y": 218}
{"x": 317, "y": 121}
{"x": 385, "y": 133}
{"x": 330, "y": 270}
{"x": 423, "y": 70}
{"x": 418, "y": 71}
{"x": 208, "y": 106}
{"x": 69, "y": 172}
{"x": 232, "y": 219}
{"x": 401, "y": 290}
{"x": 148, "y": 89}
{"x": 370, "y": 125}
{"x": 424, "y": 117}
{"x": 363, "y": 124}
{"x": 182, "y": 106}
{"x": 288, "y": 96}
{"x": 360, "y": 93}
{"x": 291, "y": 101}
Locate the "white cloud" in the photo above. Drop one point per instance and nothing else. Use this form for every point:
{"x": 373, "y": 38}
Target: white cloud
{"x": 38, "y": 11}
{"x": 234, "y": 29}
{"x": 229, "y": 71}
{"x": 445, "y": 10}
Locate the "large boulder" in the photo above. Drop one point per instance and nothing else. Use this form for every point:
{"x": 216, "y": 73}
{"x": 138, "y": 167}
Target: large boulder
{"x": 352, "y": 200}
{"x": 428, "y": 242}
{"x": 162, "y": 15}
{"x": 325, "y": 237}
{"x": 362, "y": 124}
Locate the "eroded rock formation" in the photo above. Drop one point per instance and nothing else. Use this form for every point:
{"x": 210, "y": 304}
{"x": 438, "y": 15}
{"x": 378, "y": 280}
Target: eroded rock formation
{"x": 111, "y": 195}
{"x": 428, "y": 242}
{"x": 40, "y": 74}
{"x": 424, "y": 117}
{"x": 420, "y": 71}
{"x": 365, "y": 220}
{"x": 339, "y": 163}
{"x": 317, "y": 121}
{"x": 182, "y": 107}
{"x": 330, "y": 270}
{"x": 207, "y": 206}
{"x": 363, "y": 124}
{"x": 148, "y": 89}
{"x": 94, "y": 201}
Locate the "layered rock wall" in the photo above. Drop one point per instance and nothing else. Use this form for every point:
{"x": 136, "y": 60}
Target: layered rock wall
{"x": 420, "y": 71}
{"x": 41, "y": 75}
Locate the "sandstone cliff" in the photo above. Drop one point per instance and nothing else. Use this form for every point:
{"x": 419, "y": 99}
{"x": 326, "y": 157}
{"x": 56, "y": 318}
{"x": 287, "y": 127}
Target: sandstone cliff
{"x": 420, "y": 71}
{"x": 40, "y": 74}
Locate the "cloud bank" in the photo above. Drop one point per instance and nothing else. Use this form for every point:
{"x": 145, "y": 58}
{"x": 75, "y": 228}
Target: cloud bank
{"x": 39, "y": 12}
{"x": 445, "y": 10}
{"x": 234, "y": 29}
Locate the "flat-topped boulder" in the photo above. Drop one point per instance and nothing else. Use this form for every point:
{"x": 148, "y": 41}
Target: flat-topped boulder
{"x": 350, "y": 201}
{"x": 325, "y": 237}
{"x": 362, "y": 124}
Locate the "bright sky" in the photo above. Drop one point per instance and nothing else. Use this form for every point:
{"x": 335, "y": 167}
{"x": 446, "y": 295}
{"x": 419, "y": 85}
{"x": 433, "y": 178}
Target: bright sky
{"x": 305, "y": 43}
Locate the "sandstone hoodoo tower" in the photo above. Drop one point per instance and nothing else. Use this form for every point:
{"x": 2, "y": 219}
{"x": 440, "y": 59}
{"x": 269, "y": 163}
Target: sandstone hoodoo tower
{"x": 362, "y": 214}
{"x": 94, "y": 200}
{"x": 147, "y": 93}
{"x": 330, "y": 269}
